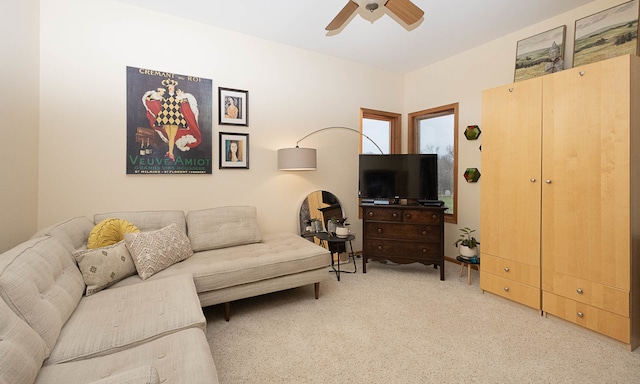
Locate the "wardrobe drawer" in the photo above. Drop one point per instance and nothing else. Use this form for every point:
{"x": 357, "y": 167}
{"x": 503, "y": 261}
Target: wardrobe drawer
{"x": 521, "y": 293}
{"x": 601, "y": 296}
{"x": 512, "y": 270}
{"x": 596, "y": 319}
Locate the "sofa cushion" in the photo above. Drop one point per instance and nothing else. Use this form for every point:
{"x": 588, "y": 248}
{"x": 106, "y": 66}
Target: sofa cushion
{"x": 72, "y": 233}
{"x": 278, "y": 254}
{"x": 142, "y": 375}
{"x": 223, "y": 227}
{"x": 182, "y": 357}
{"x": 109, "y": 232}
{"x": 156, "y": 250}
{"x": 147, "y": 220}
{"x": 41, "y": 283}
{"x": 22, "y": 350}
{"x": 104, "y": 266}
{"x": 120, "y": 318}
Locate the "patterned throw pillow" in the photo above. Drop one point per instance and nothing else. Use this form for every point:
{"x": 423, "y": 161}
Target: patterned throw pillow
{"x": 105, "y": 266}
{"x": 108, "y": 232}
{"x": 154, "y": 251}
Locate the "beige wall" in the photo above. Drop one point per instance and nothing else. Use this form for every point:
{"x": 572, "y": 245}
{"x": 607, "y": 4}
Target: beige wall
{"x": 84, "y": 50}
{"x": 291, "y": 93}
{"x": 461, "y": 79}
{"x": 19, "y": 47}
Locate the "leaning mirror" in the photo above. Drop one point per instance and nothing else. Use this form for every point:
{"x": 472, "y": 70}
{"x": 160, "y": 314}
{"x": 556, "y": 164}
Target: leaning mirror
{"x": 320, "y": 207}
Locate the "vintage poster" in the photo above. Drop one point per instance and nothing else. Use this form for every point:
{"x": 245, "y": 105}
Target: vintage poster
{"x": 169, "y": 123}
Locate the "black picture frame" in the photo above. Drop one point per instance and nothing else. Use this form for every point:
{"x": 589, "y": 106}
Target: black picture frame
{"x": 231, "y": 157}
{"x": 233, "y": 107}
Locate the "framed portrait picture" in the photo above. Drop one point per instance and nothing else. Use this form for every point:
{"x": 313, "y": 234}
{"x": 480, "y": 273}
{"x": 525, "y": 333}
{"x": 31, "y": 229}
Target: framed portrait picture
{"x": 234, "y": 107}
{"x": 540, "y": 54}
{"x": 606, "y": 34}
{"x": 234, "y": 150}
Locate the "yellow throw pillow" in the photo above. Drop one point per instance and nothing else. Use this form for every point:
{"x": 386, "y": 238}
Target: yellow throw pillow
{"x": 109, "y": 232}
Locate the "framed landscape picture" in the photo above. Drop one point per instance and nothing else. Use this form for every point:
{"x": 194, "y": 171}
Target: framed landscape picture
{"x": 607, "y": 34}
{"x": 234, "y": 150}
{"x": 540, "y": 54}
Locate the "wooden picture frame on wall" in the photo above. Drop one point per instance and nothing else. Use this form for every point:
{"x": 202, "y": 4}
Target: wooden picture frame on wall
{"x": 540, "y": 54}
{"x": 233, "y": 107}
{"x": 606, "y": 34}
{"x": 234, "y": 150}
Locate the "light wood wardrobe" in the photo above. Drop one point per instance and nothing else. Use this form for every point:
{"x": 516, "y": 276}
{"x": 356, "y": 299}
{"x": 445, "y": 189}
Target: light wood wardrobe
{"x": 560, "y": 195}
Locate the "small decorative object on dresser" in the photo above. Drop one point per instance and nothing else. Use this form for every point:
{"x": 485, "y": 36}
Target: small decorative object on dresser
{"x": 403, "y": 234}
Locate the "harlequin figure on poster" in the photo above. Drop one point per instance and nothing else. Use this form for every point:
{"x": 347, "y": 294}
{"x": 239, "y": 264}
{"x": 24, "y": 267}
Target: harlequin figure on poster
{"x": 173, "y": 114}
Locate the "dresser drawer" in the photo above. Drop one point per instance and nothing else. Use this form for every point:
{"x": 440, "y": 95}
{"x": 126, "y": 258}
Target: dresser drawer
{"x": 596, "y": 319}
{"x": 421, "y": 216}
{"x": 418, "y": 232}
{"x": 512, "y": 270}
{"x": 521, "y": 293}
{"x": 600, "y": 296}
{"x": 381, "y": 248}
{"x": 382, "y": 214}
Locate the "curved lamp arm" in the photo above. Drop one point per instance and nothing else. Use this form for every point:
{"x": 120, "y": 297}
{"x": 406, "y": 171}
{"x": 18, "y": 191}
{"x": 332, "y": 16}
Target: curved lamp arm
{"x": 304, "y": 159}
{"x": 348, "y": 129}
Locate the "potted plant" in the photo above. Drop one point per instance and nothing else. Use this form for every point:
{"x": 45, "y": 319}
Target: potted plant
{"x": 468, "y": 244}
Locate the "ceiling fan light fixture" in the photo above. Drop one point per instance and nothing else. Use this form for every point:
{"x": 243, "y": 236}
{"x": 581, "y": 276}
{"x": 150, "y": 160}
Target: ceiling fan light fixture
{"x": 371, "y": 6}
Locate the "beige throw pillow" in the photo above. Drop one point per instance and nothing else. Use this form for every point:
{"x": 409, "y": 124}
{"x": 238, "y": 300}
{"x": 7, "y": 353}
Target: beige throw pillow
{"x": 154, "y": 251}
{"x": 103, "y": 267}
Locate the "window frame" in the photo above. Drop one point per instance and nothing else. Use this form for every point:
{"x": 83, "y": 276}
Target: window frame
{"x": 395, "y": 127}
{"x": 413, "y": 142}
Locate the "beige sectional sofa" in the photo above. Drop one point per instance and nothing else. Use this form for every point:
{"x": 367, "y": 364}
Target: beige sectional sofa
{"x": 138, "y": 331}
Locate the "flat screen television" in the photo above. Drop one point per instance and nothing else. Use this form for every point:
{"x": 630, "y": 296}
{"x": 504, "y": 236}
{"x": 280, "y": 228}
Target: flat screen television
{"x": 405, "y": 176}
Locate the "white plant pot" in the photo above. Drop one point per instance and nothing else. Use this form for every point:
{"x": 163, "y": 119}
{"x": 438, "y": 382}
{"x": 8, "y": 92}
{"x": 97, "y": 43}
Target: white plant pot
{"x": 468, "y": 252}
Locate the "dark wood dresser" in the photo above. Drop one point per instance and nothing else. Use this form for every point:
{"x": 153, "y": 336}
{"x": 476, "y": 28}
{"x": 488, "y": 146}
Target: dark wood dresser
{"x": 403, "y": 234}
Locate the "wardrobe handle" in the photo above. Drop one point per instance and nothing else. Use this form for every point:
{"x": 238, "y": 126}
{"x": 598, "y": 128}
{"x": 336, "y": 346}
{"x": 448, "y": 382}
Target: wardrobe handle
{"x": 506, "y": 269}
{"x": 506, "y": 289}
{"x": 580, "y": 292}
{"x": 533, "y": 179}
{"x": 548, "y": 181}
{"x": 580, "y": 315}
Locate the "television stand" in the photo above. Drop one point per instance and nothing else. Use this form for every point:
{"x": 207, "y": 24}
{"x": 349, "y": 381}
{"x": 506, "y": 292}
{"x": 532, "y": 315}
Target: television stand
{"x": 403, "y": 234}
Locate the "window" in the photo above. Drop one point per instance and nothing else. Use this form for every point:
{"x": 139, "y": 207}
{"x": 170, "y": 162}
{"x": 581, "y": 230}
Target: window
{"x": 434, "y": 131}
{"x": 381, "y": 127}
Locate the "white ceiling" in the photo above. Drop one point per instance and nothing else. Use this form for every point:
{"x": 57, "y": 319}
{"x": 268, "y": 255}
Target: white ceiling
{"x": 449, "y": 26}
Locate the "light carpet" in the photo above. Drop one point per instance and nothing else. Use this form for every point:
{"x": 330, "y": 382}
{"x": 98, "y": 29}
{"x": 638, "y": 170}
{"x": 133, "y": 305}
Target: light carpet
{"x": 401, "y": 324}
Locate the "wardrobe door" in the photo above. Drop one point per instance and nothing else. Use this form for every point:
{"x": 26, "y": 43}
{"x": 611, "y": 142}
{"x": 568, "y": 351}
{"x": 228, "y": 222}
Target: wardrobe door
{"x": 586, "y": 173}
{"x": 510, "y": 184}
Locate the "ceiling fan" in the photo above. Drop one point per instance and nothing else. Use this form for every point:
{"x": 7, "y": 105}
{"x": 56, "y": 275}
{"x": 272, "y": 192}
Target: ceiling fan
{"x": 405, "y": 10}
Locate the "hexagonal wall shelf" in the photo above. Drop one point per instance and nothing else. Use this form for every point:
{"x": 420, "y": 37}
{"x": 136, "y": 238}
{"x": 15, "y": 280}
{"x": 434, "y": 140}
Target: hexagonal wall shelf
{"x": 472, "y": 132}
{"x": 472, "y": 175}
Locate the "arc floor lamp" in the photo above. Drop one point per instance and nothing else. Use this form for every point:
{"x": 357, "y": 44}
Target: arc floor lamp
{"x": 304, "y": 159}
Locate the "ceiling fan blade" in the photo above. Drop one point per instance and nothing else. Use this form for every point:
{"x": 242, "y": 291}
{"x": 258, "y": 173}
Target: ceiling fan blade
{"x": 342, "y": 16}
{"x": 405, "y": 10}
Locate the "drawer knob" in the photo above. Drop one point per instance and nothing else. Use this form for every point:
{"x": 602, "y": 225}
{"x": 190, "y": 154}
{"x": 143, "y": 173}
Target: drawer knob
{"x": 395, "y": 215}
{"x": 580, "y": 315}
{"x": 435, "y": 216}
{"x": 379, "y": 230}
{"x": 506, "y": 269}
{"x": 424, "y": 250}
{"x": 580, "y": 291}
{"x": 424, "y": 232}
{"x": 379, "y": 247}
{"x": 506, "y": 289}
{"x": 408, "y": 215}
{"x": 370, "y": 213}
